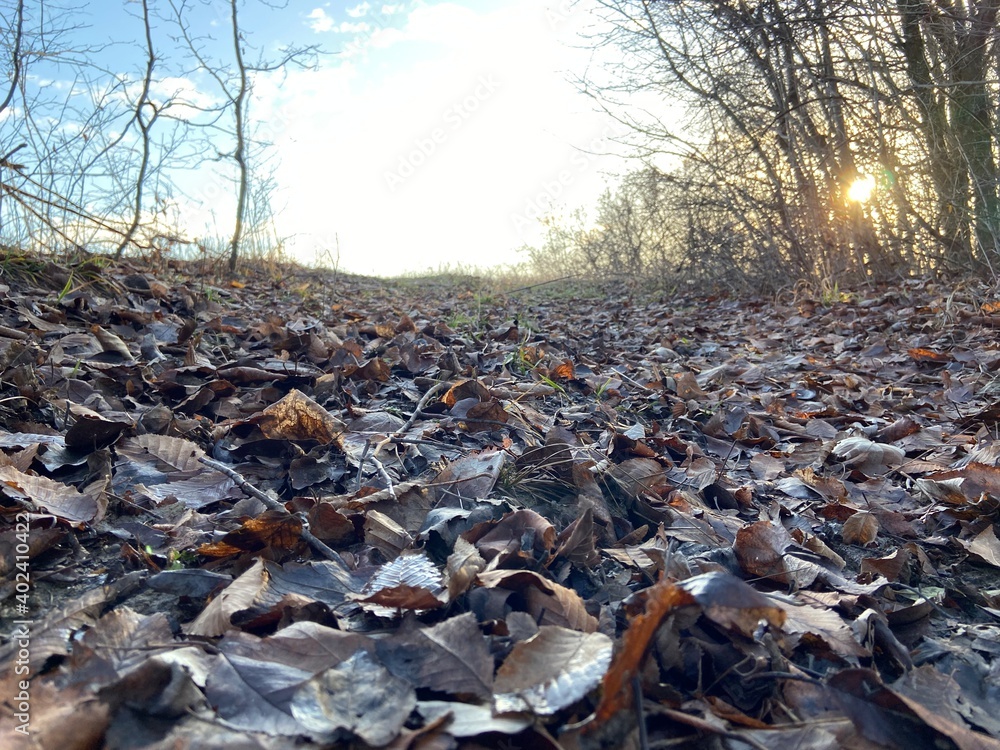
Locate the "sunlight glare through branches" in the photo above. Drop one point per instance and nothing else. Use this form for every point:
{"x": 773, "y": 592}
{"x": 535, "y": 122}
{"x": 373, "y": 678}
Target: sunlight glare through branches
{"x": 861, "y": 189}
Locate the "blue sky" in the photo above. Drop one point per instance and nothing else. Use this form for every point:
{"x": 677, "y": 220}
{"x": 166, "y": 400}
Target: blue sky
{"x": 433, "y": 133}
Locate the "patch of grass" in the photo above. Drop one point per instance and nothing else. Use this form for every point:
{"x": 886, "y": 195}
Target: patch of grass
{"x": 19, "y": 265}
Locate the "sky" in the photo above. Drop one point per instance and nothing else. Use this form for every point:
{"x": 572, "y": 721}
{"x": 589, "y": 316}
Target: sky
{"x": 437, "y": 133}
{"x": 429, "y": 133}
{"x": 433, "y": 134}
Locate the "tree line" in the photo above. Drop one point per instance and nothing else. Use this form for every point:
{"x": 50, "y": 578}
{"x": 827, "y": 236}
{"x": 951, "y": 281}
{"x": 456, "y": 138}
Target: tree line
{"x": 788, "y": 104}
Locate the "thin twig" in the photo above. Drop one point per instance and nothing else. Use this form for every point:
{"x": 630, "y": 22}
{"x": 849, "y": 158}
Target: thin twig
{"x": 272, "y": 504}
{"x": 397, "y": 435}
{"x": 543, "y": 283}
{"x": 640, "y": 714}
{"x": 431, "y": 392}
{"x": 385, "y": 476}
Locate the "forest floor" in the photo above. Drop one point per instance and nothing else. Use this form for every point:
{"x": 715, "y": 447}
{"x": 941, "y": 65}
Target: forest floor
{"x": 312, "y": 510}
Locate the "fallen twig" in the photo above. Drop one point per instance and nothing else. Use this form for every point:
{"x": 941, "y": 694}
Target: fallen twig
{"x": 398, "y": 435}
{"x": 272, "y": 504}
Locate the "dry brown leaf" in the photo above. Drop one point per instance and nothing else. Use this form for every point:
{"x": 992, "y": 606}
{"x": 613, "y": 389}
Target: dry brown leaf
{"x": 240, "y": 594}
{"x": 639, "y": 476}
{"x": 385, "y": 534}
{"x": 867, "y": 456}
{"x": 547, "y": 601}
{"x": 463, "y": 565}
{"x": 61, "y": 500}
{"x": 177, "y": 452}
{"x": 298, "y": 417}
{"x": 891, "y": 566}
{"x": 760, "y": 549}
{"x": 861, "y": 529}
{"x": 732, "y": 603}
{"x": 687, "y": 386}
{"x": 358, "y": 695}
{"x": 551, "y": 671}
{"x": 110, "y": 342}
{"x": 985, "y": 546}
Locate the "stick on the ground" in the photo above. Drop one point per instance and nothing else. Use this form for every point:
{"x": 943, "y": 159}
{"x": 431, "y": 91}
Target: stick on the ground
{"x": 395, "y": 436}
{"x": 272, "y": 504}
{"x": 543, "y": 283}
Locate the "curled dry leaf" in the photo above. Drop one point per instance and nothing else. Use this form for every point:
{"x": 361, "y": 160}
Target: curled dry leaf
{"x": 760, "y": 549}
{"x": 985, "y": 546}
{"x": 110, "y": 342}
{"x": 298, "y": 417}
{"x": 867, "y": 456}
{"x": 61, "y": 500}
{"x": 464, "y": 564}
{"x": 576, "y": 541}
{"x": 92, "y": 432}
{"x": 861, "y": 529}
{"x": 466, "y": 389}
{"x": 687, "y": 386}
{"x": 817, "y": 546}
{"x": 551, "y": 670}
{"x": 385, "y": 534}
{"x": 891, "y": 566}
{"x": 520, "y": 533}
{"x": 639, "y": 476}
{"x": 547, "y": 601}
{"x": 240, "y": 594}
{"x": 733, "y": 603}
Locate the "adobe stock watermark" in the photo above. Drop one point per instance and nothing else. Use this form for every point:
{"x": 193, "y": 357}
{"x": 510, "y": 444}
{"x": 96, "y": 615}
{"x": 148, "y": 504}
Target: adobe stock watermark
{"x": 21, "y": 633}
{"x": 543, "y": 201}
{"x": 453, "y": 118}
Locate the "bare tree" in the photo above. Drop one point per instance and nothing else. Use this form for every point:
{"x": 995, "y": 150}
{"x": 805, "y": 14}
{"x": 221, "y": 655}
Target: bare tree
{"x": 788, "y": 104}
{"x": 235, "y": 84}
{"x": 75, "y": 132}
{"x": 15, "y": 35}
{"x": 144, "y": 117}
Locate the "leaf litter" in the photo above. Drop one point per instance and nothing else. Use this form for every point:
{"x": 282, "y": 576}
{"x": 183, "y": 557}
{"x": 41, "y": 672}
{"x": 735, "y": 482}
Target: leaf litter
{"x": 327, "y": 511}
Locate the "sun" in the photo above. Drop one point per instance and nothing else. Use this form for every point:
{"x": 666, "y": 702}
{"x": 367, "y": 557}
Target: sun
{"x": 861, "y": 189}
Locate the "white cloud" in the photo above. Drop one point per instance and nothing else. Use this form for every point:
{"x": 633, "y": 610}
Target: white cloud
{"x": 346, "y": 27}
{"x": 182, "y": 89}
{"x": 321, "y": 22}
{"x": 359, "y": 10}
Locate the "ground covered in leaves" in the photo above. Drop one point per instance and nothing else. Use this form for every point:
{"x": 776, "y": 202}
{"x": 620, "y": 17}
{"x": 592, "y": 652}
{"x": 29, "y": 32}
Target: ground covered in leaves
{"x": 309, "y": 510}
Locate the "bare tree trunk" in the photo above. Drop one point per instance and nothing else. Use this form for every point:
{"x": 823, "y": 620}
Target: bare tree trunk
{"x": 144, "y": 128}
{"x": 971, "y": 117}
{"x": 946, "y": 172}
{"x": 240, "y": 153}
{"x": 15, "y": 80}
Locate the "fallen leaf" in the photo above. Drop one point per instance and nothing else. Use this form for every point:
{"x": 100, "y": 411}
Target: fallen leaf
{"x": 861, "y": 529}
{"x": 551, "y": 671}
{"x": 298, "y": 417}
{"x": 359, "y": 696}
